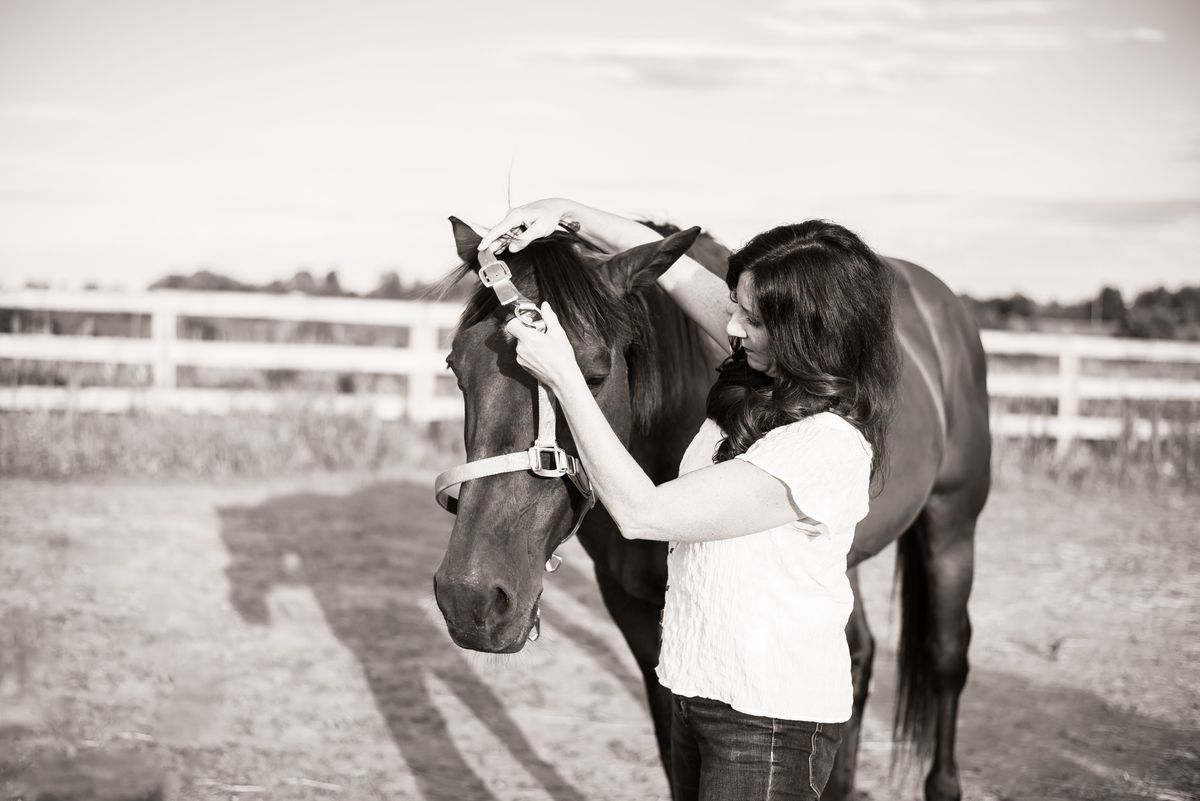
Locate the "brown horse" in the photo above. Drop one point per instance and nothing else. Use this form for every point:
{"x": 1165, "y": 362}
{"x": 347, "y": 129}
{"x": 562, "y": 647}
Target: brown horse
{"x": 650, "y": 368}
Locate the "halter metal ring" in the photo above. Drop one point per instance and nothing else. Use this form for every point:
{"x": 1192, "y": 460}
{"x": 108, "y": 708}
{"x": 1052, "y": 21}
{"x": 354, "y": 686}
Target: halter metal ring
{"x": 527, "y": 312}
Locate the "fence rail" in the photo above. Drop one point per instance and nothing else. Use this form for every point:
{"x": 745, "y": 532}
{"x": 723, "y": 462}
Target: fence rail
{"x": 422, "y": 360}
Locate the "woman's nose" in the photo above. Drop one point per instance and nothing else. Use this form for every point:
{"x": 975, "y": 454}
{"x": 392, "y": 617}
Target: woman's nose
{"x": 734, "y": 328}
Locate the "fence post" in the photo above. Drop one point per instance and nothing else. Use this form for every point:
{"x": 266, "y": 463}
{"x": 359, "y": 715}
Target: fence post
{"x": 1068, "y": 401}
{"x": 422, "y": 385}
{"x": 164, "y": 326}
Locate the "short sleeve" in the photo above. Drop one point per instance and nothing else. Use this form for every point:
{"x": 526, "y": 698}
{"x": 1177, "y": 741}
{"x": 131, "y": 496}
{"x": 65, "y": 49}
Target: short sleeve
{"x": 826, "y": 467}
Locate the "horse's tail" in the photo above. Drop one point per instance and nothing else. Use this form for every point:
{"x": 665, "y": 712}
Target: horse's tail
{"x": 915, "y": 698}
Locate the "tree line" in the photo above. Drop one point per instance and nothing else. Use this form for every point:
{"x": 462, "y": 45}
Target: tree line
{"x": 1158, "y": 313}
{"x": 390, "y": 286}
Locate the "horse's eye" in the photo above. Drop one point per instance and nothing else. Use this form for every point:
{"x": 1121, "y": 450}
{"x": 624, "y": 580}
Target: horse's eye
{"x": 596, "y": 381}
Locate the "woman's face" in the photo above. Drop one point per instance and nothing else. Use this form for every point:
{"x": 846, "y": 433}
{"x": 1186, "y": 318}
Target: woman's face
{"x": 746, "y": 325}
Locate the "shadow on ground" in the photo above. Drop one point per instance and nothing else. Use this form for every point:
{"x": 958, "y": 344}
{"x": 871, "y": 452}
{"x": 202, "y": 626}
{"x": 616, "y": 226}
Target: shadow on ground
{"x": 1023, "y": 740}
{"x": 369, "y": 558}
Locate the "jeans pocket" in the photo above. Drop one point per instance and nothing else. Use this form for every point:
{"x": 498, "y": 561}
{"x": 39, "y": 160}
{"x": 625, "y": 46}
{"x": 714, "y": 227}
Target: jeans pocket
{"x": 826, "y": 737}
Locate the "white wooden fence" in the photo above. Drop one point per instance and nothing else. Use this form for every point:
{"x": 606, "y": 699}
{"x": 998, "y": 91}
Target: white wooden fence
{"x": 420, "y": 362}
{"x": 423, "y": 360}
{"x": 1069, "y": 386}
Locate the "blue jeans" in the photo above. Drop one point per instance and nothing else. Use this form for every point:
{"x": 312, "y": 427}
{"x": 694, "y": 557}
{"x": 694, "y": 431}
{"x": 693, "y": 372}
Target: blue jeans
{"x": 720, "y": 754}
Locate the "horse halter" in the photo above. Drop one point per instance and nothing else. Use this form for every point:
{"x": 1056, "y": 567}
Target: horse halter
{"x": 544, "y": 458}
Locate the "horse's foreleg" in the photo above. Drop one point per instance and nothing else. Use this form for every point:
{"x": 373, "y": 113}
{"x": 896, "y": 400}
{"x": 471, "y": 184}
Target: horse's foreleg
{"x": 949, "y": 554}
{"x": 862, "y": 656}
{"x": 639, "y": 621}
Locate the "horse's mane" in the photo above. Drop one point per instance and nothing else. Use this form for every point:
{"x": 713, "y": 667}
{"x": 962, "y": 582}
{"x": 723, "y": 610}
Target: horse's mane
{"x": 665, "y": 351}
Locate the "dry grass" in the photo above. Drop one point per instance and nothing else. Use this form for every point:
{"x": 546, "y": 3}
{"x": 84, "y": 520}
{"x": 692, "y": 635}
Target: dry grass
{"x": 1169, "y": 457}
{"x": 298, "y": 439}
{"x": 62, "y": 445}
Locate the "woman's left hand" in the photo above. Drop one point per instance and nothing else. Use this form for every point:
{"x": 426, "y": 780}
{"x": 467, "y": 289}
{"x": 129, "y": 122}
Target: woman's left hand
{"x": 548, "y": 356}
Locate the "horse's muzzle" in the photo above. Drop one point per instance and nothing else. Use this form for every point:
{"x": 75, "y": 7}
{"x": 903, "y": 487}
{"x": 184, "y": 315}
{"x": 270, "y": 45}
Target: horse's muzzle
{"x": 483, "y": 615}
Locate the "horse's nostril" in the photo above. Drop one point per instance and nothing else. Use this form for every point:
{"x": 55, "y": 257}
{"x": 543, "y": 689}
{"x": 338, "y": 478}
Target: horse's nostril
{"x": 503, "y": 600}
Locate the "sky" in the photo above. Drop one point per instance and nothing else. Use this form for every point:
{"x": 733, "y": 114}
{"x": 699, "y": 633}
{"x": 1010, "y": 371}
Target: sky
{"x": 1042, "y": 146}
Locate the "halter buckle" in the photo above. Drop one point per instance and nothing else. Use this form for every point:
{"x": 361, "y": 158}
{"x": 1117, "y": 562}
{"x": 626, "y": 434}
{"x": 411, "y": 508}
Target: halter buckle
{"x": 558, "y": 458}
{"x": 492, "y": 270}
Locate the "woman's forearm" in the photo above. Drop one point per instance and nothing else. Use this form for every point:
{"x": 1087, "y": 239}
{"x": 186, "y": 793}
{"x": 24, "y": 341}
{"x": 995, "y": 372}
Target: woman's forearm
{"x": 700, "y": 294}
{"x": 610, "y": 232}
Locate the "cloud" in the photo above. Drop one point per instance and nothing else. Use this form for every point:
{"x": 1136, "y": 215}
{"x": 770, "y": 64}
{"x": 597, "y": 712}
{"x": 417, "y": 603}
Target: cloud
{"x": 676, "y": 63}
{"x": 919, "y": 9}
{"x": 911, "y": 9}
{"x": 990, "y": 37}
{"x": 994, "y": 8}
{"x": 1118, "y": 36}
{"x": 27, "y": 197}
{"x": 844, "y": 43}
{"x": 1123, "y": 212}
{"x": 704, "y": 65}
{"x": 1104, "y": 212}
{"x": 991, "y": 29}
{"x": 1003, "y": 25}
{"x": 43, "y": 112}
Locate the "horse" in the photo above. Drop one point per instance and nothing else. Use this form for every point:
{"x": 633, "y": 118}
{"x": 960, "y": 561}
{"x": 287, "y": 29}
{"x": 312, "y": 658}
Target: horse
{"x": 649, "y": 368}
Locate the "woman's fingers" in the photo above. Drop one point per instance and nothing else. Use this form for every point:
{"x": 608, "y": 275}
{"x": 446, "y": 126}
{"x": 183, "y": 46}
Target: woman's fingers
{"x": 517, "y": 329}
{"x": 523, "y": 224}
{"x": 511, "y": 223}
{"x": 554, "y": 328}
{"x": 535, "y": 229}
{"x": 524, "y": 334}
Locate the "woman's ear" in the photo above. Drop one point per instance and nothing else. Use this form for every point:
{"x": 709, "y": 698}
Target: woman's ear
{"x": 642, "y": 265}
{"x": 466, "y": 239}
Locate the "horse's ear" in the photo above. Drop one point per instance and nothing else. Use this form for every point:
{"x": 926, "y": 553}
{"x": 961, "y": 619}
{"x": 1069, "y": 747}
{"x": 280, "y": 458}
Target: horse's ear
{"x": 466, "y": 239}
{"x": 642, "y": 265}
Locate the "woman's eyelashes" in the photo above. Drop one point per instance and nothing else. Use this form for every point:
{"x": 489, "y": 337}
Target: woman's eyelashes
{"x": 746, "y": 317}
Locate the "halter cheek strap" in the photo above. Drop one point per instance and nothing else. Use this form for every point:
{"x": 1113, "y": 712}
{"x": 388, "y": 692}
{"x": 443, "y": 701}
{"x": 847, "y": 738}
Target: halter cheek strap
{"x": 544, "y": 459}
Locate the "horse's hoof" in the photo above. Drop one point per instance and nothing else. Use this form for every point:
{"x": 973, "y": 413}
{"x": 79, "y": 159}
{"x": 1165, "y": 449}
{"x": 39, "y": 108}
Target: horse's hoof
{"x": 943, "y": 786}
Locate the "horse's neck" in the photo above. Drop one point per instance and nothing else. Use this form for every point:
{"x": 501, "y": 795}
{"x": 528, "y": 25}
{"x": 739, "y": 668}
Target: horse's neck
{"x": 686, "y": 348}
{"x": 638, "y": 567}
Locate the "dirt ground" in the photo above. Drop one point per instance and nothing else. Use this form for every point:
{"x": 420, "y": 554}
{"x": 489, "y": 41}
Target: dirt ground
{"x": 279, "y": 640}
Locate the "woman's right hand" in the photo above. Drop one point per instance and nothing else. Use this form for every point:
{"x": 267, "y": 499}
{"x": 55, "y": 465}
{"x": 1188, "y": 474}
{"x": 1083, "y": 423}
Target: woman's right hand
{"x": 526, "y": 223}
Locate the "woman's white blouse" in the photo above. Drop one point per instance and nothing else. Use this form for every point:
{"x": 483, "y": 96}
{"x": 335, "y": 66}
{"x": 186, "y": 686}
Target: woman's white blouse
{"x": 759, "y": 621}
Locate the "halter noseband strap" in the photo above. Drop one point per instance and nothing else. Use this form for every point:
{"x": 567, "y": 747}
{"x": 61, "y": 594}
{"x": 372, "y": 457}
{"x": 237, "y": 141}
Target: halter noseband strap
{"x": 544, "y": 458}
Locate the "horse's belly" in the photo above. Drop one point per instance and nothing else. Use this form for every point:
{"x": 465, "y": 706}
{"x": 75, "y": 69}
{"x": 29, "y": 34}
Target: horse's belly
{"x": 915, "y": 448}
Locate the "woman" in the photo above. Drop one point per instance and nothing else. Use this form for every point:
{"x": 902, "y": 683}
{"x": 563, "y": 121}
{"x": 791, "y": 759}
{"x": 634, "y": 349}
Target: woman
{"x": 763, "y": 513}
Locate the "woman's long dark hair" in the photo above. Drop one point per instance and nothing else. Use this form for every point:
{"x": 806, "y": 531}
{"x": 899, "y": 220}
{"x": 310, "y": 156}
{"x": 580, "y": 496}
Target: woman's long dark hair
{"x": 825, "y": 300}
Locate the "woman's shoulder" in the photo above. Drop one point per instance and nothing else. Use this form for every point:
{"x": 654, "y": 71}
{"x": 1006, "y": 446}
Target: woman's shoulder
{"x": 825, "y": 462}
{"x": 823, "y": 422}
